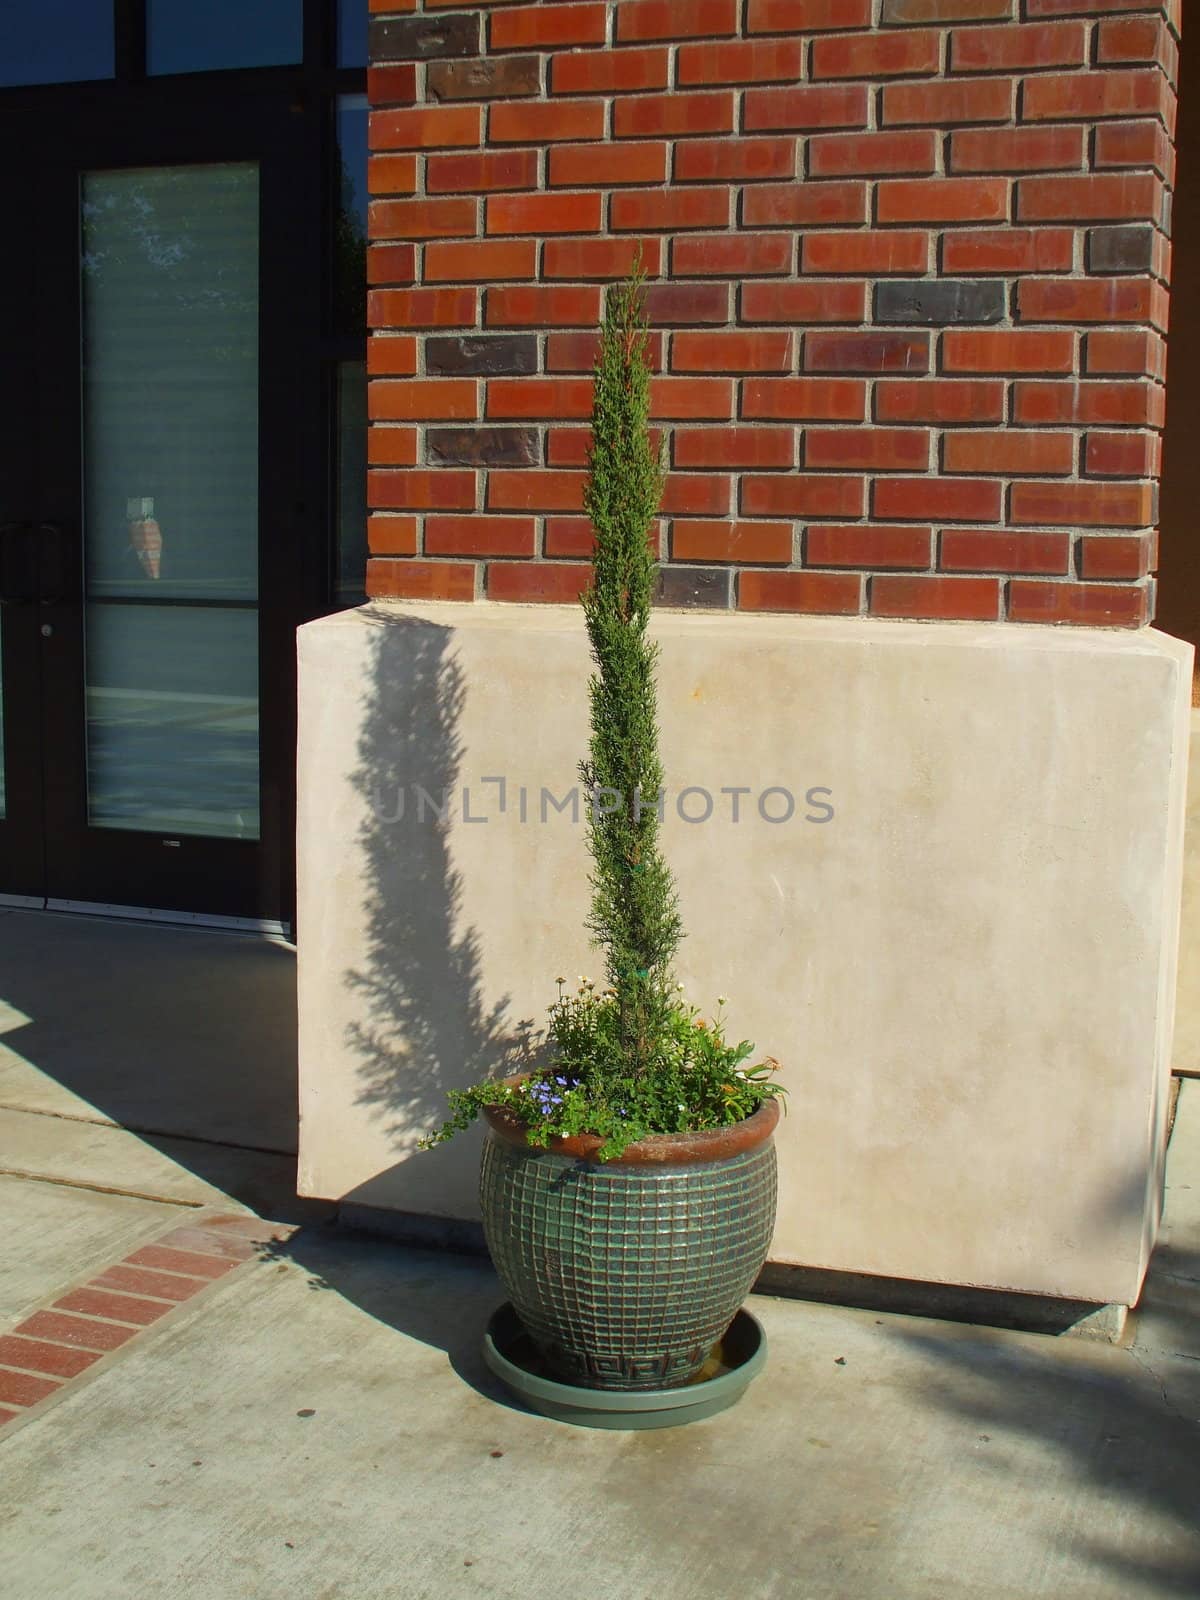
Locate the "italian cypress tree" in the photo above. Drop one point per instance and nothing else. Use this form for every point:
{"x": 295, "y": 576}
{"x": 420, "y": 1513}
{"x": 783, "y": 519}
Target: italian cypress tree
{"x": 634, "y": 916}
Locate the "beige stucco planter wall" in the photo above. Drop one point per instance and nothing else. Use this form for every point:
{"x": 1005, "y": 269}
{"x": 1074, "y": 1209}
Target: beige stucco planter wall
{"x": 968, "y": 970}
{"x": 1185, "y": 1055}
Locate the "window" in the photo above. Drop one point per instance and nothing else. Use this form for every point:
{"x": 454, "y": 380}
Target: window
{"x": 352, "y": 33}
{"x": 56, "y": 41}
{"x": 183, "y": 36}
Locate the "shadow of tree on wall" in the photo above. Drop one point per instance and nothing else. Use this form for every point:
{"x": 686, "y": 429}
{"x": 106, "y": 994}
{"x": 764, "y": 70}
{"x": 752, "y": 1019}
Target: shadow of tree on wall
{"x": 425, "y": 1026}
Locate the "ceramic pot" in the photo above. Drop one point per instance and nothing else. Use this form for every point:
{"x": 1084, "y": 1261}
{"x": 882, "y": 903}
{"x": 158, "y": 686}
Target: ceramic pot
{"x": 625, "y": 1273}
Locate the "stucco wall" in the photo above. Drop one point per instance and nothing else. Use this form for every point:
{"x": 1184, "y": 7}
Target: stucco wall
{"x": 968, "y": 972}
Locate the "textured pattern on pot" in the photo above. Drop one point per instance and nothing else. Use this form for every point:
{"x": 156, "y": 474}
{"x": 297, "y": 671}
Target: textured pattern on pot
{"x": 626, "y": 1273}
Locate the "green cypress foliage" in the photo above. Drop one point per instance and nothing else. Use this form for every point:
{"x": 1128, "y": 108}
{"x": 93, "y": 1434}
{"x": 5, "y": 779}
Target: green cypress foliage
{"x": 636, "y": 1058}
{"x": 634, "y": 916}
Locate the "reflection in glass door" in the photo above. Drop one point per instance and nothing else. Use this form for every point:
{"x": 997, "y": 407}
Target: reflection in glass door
{"x": 170, "y": 411}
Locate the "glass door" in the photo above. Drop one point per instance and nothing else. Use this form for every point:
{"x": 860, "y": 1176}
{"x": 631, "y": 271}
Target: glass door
{"x": 158, "y": 330}
{"x": 170, "y": 328}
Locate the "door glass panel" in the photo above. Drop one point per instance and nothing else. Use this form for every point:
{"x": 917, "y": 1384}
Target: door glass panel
{"x": 350, "y": 217}
{"x": 55, "y": 41}
{"x": 352, "y": 33}
{"x": 182, "y": 36}
{"x": 173, "y": 719}
{"x": 170, "y": 391}
{"x": 351, "y": 483}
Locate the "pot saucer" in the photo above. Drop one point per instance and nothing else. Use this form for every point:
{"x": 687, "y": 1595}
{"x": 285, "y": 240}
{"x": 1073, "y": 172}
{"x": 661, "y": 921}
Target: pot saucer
{"x": 735, "y": 1360}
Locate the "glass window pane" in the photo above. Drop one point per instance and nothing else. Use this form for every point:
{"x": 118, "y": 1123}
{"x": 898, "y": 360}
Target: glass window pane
{"x": 352, "y": 33}
{"x": 170, "y": 353}
{"x": 350, "y": 216}
{"x": 186, "y": 36}
{"x": 172, "y": 718}
{"x": 351, "y": 483}
{"x": 55, "y": 41}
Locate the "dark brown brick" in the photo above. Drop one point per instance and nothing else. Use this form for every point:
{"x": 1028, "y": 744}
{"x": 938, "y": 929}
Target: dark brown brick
{"x": 424, "y": 38}
{"x": 940, "y": 302}
{"x": 483, "y": 78}
{"x": 835, "y": 593}
{"x": 393, "y": 86}
{"x": 1123, "y": 605}
{"x": 482, "y": 447}
{"x": 1117, "y": 556}
{"x": 866, "y": 352}
{"x": 467, "y": 355}
{"x": 958, "y": 599}
{"x": 673, "y": 305}
{"x": 1121, "y": 249}
{"x": 997, "y": 550}
{"x": 706, "y": 587}
{"x": 547, "y": 583}
{"x": 915, "y": 13}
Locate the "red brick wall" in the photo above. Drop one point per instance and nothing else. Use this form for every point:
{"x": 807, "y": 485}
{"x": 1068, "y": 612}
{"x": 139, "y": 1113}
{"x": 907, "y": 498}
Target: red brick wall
{"x": 909, "y": 263}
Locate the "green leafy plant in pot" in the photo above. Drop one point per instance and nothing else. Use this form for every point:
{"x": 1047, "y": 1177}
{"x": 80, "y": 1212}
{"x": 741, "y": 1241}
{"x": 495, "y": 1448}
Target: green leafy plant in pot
{"x": 628, "y": 1186}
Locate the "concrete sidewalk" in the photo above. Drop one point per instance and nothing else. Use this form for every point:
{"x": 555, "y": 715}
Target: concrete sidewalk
{"x": 315, "y": 1419}
{"x": 320, "y": 1422}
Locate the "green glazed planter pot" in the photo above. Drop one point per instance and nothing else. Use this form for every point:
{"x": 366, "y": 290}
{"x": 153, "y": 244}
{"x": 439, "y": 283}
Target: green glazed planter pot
{"x": 626, "y": 1273}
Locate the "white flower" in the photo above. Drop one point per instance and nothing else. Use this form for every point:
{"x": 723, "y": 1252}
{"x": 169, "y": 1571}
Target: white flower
{"x": 683, "y": 1108}
{"x": 679, "y": 986}
{"x": 722, "y": 999}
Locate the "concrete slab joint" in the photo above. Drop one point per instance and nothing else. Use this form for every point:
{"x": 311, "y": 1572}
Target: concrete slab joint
{"x": 936, "y": 868}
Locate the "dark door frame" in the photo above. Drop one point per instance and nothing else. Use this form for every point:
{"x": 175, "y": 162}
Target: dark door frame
{"x": 47, "y": 138}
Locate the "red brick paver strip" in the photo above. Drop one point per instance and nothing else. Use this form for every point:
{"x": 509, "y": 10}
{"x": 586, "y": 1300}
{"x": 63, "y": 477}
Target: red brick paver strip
{"x": 35, "y": 1355}
{"x": 120, "y": 1307}
{"x": 23, "y": 1389}
{"x": 190, "y": 1238}
{"x": 140, "y": 1280}
{"x": 189, "y": 1262}
{"x": 59, "y": 1343}
{"x": 83, "y": 1333}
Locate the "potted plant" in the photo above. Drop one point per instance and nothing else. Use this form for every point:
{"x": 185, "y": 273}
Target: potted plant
{"x": 628, "y": 1185}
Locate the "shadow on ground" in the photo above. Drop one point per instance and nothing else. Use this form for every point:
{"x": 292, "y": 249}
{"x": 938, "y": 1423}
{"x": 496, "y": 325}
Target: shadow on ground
{"x": 185, "y": 1037}
{"x": 1112, "y": 1425}
{"x": 441, "y": 1299}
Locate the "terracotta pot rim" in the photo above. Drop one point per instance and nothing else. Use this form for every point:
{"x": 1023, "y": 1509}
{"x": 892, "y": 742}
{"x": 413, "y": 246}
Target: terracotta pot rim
{"x": 657, "y": 1149}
